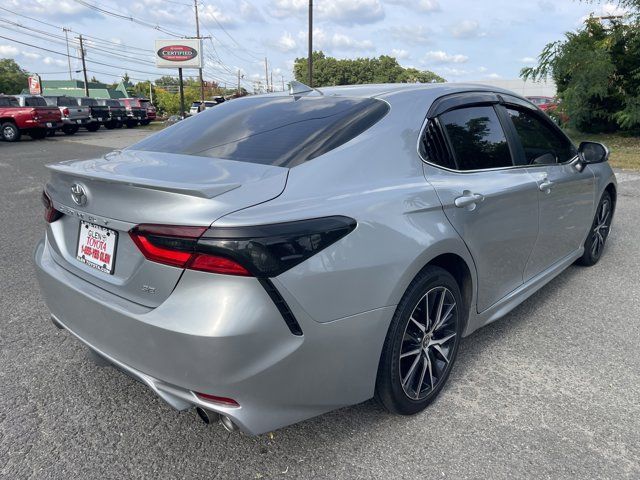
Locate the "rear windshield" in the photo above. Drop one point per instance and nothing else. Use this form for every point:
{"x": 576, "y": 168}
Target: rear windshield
{"x": 196, "y": 104}
{"x": 34, "y": 102}
{"x": 67, "y": 102}
{"x": 282, "y": 131}
{"x": 88, "y": 102}
{"x": 8, "y": 102}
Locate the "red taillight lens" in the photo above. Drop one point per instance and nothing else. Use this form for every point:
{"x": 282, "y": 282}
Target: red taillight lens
{"x": 176, "y": 246}
{"x": 65, "y": 112}
{"x": 50, "y": 213}
{"x": 227, "y": 402}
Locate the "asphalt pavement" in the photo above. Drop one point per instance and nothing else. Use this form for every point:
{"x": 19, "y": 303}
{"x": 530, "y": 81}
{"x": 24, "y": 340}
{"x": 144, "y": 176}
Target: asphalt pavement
{"x": 550, "y": 391}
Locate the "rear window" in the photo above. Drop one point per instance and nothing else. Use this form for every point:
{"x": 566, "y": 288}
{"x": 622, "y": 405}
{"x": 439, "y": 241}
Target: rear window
{"x": 67, "y": 102}
{"x": 281, "y": 131}
{"x": 8, "y": 102}
{"x": 88, "y": 102}
{"x": 112, "y": 103}
{"x": 34, "y": 102}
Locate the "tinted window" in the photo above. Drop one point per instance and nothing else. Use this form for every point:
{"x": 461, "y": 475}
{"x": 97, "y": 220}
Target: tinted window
{"x": 88, "y": 102}
{"x": 8, "y": 102}
{"x": 283, "y": 131}
{"x": 477, "y": 138}
{"x": 34, "y": 102}
{"x": 67, "y": 102}
{"x": 541, "y": 142}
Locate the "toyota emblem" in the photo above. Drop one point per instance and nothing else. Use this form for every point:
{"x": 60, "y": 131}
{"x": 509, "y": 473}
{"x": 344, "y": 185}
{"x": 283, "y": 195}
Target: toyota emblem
{"x": 78, "y": 195}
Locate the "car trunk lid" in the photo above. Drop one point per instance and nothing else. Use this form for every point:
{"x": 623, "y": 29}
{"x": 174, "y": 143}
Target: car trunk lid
{"x": 127, "y": 188}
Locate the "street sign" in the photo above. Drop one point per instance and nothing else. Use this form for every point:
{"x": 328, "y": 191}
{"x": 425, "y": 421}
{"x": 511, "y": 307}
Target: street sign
{"x": 35, "y": 86}
{"x": 179, "y": 53}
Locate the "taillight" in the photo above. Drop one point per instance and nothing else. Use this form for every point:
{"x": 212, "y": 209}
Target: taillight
{"x": 262, "y": 251}
{"x": 50, "y": 213}
{"x": 65, "y": 112}
{"x": 227, "y": 402}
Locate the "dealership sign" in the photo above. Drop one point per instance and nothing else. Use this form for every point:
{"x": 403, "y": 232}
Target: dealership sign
{"x": 179, "y": 53}
{"x": 35, "y": 86}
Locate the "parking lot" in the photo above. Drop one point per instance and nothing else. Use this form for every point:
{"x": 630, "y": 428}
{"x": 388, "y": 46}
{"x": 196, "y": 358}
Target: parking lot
{"x": 550, "y": 391}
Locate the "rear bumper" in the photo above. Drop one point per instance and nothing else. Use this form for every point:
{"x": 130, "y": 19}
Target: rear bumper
{"x": 224, "y": 336}
{"x": 75, "y": 121}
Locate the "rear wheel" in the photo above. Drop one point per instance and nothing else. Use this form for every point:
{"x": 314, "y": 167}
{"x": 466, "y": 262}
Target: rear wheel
{"x": 598, "y": 233}
{"x": 9, "y": 131}
{"x": 70, "y": 129}
{"x": 145, "y": 122}
{"x": 93, "y": 127}
{"x": 110, "y": 125}
{"x": 422, "y": 343}
{"x": 131, "y": 123}
{"x": 38, "y": 133}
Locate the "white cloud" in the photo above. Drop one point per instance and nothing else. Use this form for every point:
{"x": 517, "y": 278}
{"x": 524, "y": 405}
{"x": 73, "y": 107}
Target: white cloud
{"x": 400, "y": 54}
{"x": 466, "y": 29}
{"x": 286, "y": 43}
{"x": 527, "y": 60}
{"x": 494, "y": 76}
{"x": 348, "y": 12}
{"x": 30, "y": 55}
{"x": 411, "y": 35}
{"x": 611, "y": 9}
{"x": 212, "y": 15}
{"x": 421, "y": 5}
{"x": 323, "y": 40}
{"x": 8, "y": 50}
{"x": 439, "y": 56}
{"x": 54, "y": 61}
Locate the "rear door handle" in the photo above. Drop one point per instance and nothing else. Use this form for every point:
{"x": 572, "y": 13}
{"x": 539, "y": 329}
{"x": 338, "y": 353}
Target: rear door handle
{"x": 468, "y": 199}
{"x": 546, "y": 186}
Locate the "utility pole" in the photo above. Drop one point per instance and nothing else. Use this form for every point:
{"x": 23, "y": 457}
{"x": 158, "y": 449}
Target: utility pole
{"x": 310, "y": 58}
{"x": 84, "y": 68}
{"x": 66, "y": 36}
{"x": 266, "y": 74}
{"x": 150, "y": 93}
{"x": 181, "y": 93}
{"x": 195, "y": 5}
{"x": 238, "y": 81}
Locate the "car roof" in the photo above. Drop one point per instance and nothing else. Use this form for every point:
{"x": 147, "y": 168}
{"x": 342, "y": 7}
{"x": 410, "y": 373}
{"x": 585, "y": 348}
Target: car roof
{"x": 387, "y": 89}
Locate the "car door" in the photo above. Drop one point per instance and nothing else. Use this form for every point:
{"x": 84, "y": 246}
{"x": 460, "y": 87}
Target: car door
{"x": 566, "y": 193}
{"x": 492, "y": 204}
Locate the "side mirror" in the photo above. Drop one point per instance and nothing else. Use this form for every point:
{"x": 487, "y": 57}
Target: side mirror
{"x": 593, "y": 152}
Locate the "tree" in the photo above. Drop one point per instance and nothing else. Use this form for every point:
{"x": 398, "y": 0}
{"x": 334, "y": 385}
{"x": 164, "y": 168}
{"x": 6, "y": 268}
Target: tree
{"x": 12, "y": 77}
{"x": 597, "y": 74}
{"x": 384, "y": 69}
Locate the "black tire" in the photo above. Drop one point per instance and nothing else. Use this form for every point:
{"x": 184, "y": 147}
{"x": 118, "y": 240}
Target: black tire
{"x": 110, "y": 125}
{"x": 145, "y": 122}
{"x": 118, "y": 124}
{"x": 93, "y": 127}
{"x": 598, "y": 233}
{"x": 131, "y": 123}
{"x": 394, "y": 394}
{"x": 70, "y": 129}
{"x": 9, "y": 132}
{"x": 38, "y": 133}
{"x": 51, "y": 133}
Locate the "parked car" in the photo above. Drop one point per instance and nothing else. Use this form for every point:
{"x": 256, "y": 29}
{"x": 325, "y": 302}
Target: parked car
{"x": 39, "y": 103}
{"x": 150, "y": 110}
{"x": 98, "y": 114}
{"x": 196, "y": 107}
{"x": 549, "y": 105}
{"x": 16, "y": 120}
{"x": 117, "y": 113}
{"x": 136, "y": 113}
{"x": 73, "y": 115}
{"x": 339, "y": 251}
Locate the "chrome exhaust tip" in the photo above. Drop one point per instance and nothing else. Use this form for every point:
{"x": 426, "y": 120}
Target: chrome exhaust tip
{"x": 207, "y": 416}
{"x": 228, "y": 424}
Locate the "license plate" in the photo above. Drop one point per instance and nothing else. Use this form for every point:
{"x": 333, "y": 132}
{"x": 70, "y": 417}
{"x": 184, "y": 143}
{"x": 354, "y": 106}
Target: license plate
{"x": 99, "y": 119}
{"x": 119, "y": 118}
{"x": 97, "y": 246}
{"x": 78, "y": 121}
{"x": 49, "y": 125}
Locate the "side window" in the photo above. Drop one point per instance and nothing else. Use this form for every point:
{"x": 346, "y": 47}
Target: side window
{"x": 541, "y": 143}
{"x": 477, "y": 138}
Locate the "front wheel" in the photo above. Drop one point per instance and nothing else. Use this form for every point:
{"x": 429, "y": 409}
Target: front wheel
{"x": 598, "y": 233}
{"x": 421, "y": 344}
{"x": 9, "y": 131}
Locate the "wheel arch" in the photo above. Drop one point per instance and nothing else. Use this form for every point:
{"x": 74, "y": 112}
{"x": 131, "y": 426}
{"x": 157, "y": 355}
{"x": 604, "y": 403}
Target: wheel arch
{"x": 611, "y": 188}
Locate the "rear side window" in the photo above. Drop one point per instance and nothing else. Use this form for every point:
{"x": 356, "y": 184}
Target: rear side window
{"x": 34, "y": 102}
{"x": 542, "y": 144}
{"x": 281, "y": 131}
{"x": 477, "y": 138}
{"x": 8, "y": 102}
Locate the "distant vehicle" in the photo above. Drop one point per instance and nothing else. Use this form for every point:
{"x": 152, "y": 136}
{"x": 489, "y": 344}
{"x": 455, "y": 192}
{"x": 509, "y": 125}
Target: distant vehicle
{"x": 36, "y": 101}
{"x": 542, "y": 102}
{"x": 151, "y": 111}
{"x": 16, "y": 120}
{"x": 117, "y": 113}
{"x": 73, "y": 115}
{"x": 99, "y": 114}
{"x": 136, "y": 112}
{"x": 550, "y": 105}
{"x": 196, "y": 107}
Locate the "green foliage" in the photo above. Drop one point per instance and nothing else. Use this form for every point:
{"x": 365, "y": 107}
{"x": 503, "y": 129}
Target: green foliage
{"x": 169, "y": 103}
{"x": 12, "y": 78}
{"x": 597, "y": 73}
{"x": 329, "y": 71}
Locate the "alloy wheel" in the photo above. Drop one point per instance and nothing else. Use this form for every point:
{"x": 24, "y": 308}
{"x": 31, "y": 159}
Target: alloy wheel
{"x": 8, "y": 133}
{"x": 601, "y": 228}
{"x": 428, "y": 343}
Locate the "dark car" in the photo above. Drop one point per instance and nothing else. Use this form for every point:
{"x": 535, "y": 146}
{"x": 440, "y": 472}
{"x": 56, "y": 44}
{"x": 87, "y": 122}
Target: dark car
{"x": 98, "y": 114}
{"x": 117, "y": 113}
{"x": 136, "y": 112}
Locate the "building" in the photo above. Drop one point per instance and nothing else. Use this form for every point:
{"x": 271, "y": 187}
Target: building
{"x": 75, "y": 88}
{"x": 525, "y": 88}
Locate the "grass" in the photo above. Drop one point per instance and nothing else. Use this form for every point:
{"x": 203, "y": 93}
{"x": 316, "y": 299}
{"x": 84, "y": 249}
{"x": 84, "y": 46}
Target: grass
{"x": 625, "y": 148}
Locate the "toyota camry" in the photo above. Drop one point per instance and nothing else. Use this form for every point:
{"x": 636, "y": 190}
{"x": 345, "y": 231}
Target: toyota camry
{"x": 283, "y": 255}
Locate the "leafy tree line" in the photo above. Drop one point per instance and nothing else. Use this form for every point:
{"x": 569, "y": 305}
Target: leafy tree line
{"x": 597, "y": 73}
{"x": 12, "y": 78}
{"x": 328, "y": 71}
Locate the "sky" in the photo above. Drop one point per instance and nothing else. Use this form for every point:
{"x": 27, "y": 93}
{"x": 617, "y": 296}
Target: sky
{"x": 461, "y": 40}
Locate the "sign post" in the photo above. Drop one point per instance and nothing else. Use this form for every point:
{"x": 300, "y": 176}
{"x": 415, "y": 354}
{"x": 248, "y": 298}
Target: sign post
{"x": 182, "y": 53}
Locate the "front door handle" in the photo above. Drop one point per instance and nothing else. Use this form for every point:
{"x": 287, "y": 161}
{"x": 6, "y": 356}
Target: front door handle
{"x": 468, "y": 199}
{"x": 546, "y": 185}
